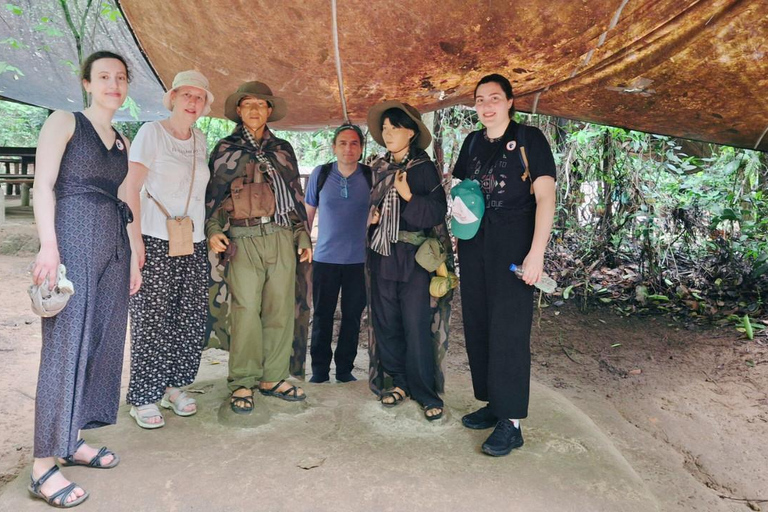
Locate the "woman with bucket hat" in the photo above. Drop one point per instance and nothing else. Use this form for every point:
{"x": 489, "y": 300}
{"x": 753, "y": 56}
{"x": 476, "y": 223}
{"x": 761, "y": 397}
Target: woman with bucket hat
{"x": 407, "y": 203}
{"x": 166, "y": 190}
{"x": 509, "y": 166}
{"x": 255, "y": 189}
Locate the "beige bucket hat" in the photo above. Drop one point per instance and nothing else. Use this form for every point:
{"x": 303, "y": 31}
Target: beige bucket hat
{"x": 191, "y": 78}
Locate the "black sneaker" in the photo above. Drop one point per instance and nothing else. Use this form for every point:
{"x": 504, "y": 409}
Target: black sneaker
{"x": 319, "y": 378}
{"x": 480, "y": 419}
{"x": 504, "y": 439}
{"x": 345, "y": 377}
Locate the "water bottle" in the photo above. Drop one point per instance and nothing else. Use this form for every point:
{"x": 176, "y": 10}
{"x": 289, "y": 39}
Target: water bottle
{"x": 545, "y": 284}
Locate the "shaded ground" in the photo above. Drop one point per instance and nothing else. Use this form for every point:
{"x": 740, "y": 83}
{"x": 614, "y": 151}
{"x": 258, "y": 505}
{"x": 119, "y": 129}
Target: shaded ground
{"x": 688, "y": 409}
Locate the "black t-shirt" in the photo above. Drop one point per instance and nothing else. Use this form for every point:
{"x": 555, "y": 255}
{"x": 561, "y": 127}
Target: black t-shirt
{"x": 504, "y": 184}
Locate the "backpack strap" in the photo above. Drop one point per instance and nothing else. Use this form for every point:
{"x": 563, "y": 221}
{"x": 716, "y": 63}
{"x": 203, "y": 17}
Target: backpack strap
{"x": 325, "y": 170}
{"x": 472, "y": 141}
{"x": 368, "y": 173}
{"x": 520, "y": 136}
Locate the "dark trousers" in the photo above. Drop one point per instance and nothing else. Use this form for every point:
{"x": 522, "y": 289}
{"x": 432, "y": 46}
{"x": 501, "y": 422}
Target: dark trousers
{"x": 401, "y": 317}
{"x": 498, "y": 310}
{"x": 327, "y": 280}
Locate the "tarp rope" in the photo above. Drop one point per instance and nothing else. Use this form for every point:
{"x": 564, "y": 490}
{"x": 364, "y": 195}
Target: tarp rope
{"x": 338, "y": 61}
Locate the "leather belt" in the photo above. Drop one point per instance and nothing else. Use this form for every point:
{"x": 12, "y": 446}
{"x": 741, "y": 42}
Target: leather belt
{"x": 253, "y": 221}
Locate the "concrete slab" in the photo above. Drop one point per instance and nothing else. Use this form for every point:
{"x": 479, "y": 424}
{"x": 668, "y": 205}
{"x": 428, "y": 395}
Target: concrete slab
{"x": 359, "y": 456}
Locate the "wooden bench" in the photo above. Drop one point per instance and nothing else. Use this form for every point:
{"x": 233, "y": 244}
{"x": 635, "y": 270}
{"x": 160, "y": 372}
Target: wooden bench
{"x": 17, "y": 171}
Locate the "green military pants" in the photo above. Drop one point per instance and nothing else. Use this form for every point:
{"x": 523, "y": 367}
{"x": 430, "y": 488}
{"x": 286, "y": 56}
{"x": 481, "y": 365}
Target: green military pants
{"x": 262, "y": 280}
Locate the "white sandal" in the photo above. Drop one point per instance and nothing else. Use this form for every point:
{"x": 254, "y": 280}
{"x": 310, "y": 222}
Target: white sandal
{"x": 181, "y": 401}
{"x": 143, "y": 412}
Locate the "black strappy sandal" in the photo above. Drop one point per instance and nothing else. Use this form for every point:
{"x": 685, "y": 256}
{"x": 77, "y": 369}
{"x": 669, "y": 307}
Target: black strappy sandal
{"x": 434, "y": 417}
{"x": 241, "y": 409}
{"x": 291, "y": 394}
{"x": 61, "y": 494}
{"x": 396, "y": 395}
{"x": 95, "y": 462}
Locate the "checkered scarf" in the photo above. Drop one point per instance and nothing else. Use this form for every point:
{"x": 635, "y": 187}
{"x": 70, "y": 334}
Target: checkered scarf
{"x": 384, "y": 196}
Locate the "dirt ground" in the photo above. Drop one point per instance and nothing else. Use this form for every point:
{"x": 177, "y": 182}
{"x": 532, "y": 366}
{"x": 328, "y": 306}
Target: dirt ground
{"x": 688, "y": 408}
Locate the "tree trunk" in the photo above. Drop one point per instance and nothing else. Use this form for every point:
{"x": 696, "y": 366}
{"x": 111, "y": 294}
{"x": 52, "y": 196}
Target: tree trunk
{"x": 437, "y": 141}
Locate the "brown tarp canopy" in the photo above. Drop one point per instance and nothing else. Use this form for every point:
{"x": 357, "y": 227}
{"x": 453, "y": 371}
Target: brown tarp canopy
{"x": 692, "y": 69}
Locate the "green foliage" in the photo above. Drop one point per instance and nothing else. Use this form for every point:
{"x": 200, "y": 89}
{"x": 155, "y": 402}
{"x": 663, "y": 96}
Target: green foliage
{"x": 312, "y": 148}
{"x": 110, "y": 12}
{"x": 692, "y": 216}
{"x": 214, "y": 129}
{"x": 21, "y": 124}
{"x": 132, "y": 107}
{"x": 14, "y": 9}
{"x": 14, "y": 43}
{"x": 46, "y": 27}
{"x": 73, "y": 68}
{"x": 7, "y": 68}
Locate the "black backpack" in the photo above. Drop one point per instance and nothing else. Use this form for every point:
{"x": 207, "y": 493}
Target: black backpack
{"x": 325, "y": 170}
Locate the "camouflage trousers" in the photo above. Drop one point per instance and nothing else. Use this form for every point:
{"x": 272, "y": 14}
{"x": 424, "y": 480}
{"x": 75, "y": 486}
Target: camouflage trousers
{"x": 261, "y": 277}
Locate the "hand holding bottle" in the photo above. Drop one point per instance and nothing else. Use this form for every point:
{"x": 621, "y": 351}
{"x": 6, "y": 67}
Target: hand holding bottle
{"x": 543, "y": 283}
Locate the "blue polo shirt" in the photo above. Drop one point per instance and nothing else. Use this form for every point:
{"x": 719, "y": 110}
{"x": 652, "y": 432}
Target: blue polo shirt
{"x": 341, "y": 220}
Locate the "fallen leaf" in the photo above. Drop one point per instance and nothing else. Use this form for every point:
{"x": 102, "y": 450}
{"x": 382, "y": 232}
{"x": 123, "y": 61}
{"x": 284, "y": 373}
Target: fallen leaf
{"x": 311, "y": 462}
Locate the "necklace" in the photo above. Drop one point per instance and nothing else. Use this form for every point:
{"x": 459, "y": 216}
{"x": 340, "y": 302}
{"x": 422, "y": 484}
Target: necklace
{"x": 491, "y": 139}
{"x": 174, "y": 132}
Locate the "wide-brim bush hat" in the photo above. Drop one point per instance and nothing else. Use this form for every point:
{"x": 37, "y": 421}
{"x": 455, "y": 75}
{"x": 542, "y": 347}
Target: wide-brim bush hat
{"x": 374, "y": 121}
{"x": 258, "y": 90}
{"x": 190, "y": 78}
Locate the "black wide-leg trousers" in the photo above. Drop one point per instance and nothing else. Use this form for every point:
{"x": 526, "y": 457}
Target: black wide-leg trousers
{"x": 498, "y": 309}
{"x": 401, "y": 315}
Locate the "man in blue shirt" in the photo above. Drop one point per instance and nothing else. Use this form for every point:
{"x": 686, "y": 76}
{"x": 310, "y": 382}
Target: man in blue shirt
{"x": 340, "y": 192}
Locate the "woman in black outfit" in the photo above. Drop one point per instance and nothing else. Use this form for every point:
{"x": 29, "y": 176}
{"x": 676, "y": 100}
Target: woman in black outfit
{"x": 407, "y": 202}
{"x": 514, "y": 165}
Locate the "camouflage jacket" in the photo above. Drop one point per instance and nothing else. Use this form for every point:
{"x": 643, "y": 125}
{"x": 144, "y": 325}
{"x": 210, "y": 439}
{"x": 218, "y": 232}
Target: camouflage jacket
{"x": 229, "y": 159}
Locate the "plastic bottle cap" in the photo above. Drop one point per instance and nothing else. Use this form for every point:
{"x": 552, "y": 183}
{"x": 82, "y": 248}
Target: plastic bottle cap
{"x": 513, "y": 267}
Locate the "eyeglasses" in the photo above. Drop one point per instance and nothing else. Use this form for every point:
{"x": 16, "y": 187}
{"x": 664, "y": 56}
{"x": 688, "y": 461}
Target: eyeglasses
{"x": 344, "y": 188}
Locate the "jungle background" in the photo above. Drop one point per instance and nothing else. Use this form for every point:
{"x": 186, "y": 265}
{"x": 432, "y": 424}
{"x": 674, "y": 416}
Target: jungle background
{"x": 645, "y": 223}
{"x": 658, "y": 327}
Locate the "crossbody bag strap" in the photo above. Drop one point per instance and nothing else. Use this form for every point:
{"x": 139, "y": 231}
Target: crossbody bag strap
{"x": 194, "y": 166}
{"x": 191, "y": 185}
{"x": 480, "y": 173}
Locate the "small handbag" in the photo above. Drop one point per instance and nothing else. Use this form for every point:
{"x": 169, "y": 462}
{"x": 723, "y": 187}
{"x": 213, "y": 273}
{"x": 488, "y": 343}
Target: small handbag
{"x": 181, "y": 228}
